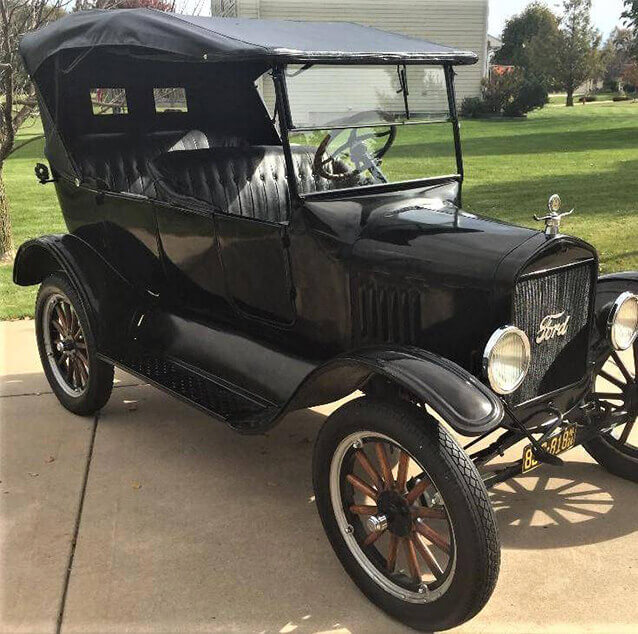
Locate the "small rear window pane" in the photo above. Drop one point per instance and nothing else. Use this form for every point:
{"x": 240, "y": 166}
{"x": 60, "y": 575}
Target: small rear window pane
{"x": 170, "y": 100}
{"x": 109, "y": 101}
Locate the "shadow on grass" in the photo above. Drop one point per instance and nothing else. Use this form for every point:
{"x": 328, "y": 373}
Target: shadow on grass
{"x": 539, "y": 141}
{"x": 588, "y": 193}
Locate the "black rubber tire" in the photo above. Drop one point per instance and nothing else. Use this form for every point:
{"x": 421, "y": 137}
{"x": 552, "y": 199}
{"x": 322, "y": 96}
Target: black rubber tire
{"x": 100, "y": 381}
{"x": 467, "y": 502}
{"x": 608, "y": 456}
{"x": 622, "y": 462}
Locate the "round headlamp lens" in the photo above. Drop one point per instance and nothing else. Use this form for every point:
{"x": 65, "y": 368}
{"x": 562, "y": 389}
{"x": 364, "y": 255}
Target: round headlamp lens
{"x": 506, "y": 359}
{"x": 623, "y": 321}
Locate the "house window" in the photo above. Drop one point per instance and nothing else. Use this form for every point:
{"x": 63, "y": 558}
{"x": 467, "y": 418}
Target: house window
{"x": 109, "y": 101}
{"x": 170, "y": 100}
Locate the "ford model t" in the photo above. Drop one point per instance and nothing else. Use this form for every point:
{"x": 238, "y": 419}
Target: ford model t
{"x": 266, "y": 216}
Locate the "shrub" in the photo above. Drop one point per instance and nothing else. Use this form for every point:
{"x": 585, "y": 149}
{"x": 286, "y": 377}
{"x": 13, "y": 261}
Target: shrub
{"x": 472, "y": 107}
{"x": 621, "y": 98}
{"x": 531, "y": 94}
{"x": 500, "y": 89}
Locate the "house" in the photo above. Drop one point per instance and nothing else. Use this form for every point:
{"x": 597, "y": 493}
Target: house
{"x": 458, "y": 23}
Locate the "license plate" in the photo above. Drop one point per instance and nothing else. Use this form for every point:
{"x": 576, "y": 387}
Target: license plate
{"x": 562, "y": 441}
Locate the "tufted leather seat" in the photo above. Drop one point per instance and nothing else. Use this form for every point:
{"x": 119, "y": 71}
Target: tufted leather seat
{"x": 247, "y": 181}
{"x": 119, "y": 163}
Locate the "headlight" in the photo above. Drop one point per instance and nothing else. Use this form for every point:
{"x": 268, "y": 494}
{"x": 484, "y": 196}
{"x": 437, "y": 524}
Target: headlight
{"x": 622, "y": 324}
{"x": 506, "y": 359}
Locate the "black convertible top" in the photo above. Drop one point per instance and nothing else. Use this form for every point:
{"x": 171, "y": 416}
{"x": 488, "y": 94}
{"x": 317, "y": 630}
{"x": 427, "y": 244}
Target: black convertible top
{"x": 230, "y": 39}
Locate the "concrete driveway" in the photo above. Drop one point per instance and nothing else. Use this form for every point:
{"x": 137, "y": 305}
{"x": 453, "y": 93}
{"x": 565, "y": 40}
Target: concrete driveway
{"x": 152, "y": 517}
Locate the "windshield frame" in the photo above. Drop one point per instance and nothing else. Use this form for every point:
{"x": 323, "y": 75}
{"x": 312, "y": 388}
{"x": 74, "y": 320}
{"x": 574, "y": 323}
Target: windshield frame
{"x": 284, "y": 117}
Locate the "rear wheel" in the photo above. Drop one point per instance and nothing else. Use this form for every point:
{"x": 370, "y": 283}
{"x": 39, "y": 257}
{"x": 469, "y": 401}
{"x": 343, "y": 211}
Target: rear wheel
{"x": 80, "y": 380}
{"x": 419, "y": 538}
{"x": 616, "y": 391}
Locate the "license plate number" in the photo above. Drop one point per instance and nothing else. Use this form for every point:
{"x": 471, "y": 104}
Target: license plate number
{"x": 556, "y": 444}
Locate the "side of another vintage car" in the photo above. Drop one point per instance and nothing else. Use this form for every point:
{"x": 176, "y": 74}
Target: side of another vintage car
{"x": 253, "y": 246}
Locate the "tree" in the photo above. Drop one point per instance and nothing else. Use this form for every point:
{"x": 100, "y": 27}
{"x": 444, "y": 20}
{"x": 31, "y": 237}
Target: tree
{"x": 17, "y": 100}
{"x": 615, "y": 56}
{"x": 630, "y": 74}
{"x": 573, "y": 52}
{"x": 536, "y": 21}
{"x": 630, "y": 19}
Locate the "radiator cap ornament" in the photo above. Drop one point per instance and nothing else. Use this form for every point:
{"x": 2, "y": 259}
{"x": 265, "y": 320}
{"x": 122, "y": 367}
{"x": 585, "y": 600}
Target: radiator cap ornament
{"x": 552, "y": 220}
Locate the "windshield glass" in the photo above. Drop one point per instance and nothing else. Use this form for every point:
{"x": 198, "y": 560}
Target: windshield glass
{"x": 366, "y": 125}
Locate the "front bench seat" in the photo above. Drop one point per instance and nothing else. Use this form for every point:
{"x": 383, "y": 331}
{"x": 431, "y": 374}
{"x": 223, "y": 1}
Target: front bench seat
{"x": 247, "y": 181}
{"x": 118, "y": 162}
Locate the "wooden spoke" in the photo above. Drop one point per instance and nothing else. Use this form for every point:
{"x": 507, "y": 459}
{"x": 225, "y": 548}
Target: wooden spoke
{"x": 429, "y": 513}
{"x": 625, "y": 432}
{"x": 372, "y": 537}
{"x": 62, "y": 319}
{"x": 84, "y": 375}
{"x": 388, "y": 480}
{"x": 402, "y": 474}
{"x": 66, "y": 309}
{"x": 363, "y": 509}
{"x": 368, "y": 468}
{"x": 413, "y": 562}
{"x": 435, "y": 537}
{"x": 621, "y": 366}
{"x": 612, "y": 379}
{"x": 58, "y": 326}
{"x": 358, "y": 483}
{"x": 418, "y": 489}
{"x": 73, "y": 324}
{"x": 391, "y": 562}
{"x": 82, "y": 357}
{"x": 428, "y": 557}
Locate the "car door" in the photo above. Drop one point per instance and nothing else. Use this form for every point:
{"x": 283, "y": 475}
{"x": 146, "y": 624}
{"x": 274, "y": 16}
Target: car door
{"x": 256, "y": 264}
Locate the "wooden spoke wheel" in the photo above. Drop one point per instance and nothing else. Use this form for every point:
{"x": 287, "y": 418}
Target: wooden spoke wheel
{"x": 395, "y": 520}
{"x": 81, "y": 381}
{"x": 65, "y": 344}
{"x": 615, "y": 391}
{"x": 406, "y": 512}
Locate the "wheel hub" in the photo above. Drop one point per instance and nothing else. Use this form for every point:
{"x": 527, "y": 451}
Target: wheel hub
{"x": 397, "y": 511}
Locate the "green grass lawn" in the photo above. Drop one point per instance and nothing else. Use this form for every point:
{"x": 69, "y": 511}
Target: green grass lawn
{"x": 589, "y": 155}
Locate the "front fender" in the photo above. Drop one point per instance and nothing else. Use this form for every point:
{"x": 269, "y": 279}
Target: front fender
{"x": 609, "y": 287}
{"x": 107, "y": 298}
{"x": 468, "y": 406}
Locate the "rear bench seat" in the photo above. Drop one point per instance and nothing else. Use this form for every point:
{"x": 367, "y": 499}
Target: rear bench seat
{"x": 120, "y": 163}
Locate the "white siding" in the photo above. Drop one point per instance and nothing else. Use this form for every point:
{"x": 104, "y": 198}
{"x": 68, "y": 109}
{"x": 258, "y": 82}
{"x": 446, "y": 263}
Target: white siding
{"x": 458, "y": 23}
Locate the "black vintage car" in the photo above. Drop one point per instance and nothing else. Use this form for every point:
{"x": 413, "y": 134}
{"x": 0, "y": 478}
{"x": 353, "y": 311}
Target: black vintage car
{"x": 265, "y": 216}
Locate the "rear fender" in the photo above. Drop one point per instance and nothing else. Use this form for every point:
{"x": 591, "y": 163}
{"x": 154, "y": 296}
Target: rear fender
{"x": 468, "y": 406}
{"x": 107, "y": 298}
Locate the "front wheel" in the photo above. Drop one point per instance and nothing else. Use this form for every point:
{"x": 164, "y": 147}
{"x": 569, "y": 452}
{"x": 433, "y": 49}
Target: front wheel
{"x": 419, "y": 538}
{"x": 616, "y": 391}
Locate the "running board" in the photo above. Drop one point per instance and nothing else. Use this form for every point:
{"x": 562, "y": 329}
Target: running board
{"x": 244, "y": 412}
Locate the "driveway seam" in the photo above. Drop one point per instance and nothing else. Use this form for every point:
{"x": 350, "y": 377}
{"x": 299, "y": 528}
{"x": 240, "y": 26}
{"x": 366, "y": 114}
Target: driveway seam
{"x": 76, "y": 529}
{"x": 51, "y": 392}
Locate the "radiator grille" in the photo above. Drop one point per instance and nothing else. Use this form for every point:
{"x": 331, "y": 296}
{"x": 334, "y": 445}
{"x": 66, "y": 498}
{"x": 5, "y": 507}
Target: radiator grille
{"x": 561, "y": 360}
{"x": 387, "y": 314}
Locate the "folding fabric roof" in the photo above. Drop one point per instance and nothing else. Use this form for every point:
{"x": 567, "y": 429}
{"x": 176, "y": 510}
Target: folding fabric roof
{"x": 230, "y": 39}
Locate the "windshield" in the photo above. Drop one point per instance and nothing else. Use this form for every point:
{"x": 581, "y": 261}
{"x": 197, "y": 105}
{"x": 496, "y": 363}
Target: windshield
{"x": 366, "y": 125}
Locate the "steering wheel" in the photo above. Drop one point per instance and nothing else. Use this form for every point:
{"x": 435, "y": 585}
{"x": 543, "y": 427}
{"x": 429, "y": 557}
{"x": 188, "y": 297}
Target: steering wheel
{"x": 357, "y": 151}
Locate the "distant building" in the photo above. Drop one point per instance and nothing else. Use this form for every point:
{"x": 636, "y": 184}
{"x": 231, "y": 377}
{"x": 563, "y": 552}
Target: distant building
{"x": 458, "y": 23}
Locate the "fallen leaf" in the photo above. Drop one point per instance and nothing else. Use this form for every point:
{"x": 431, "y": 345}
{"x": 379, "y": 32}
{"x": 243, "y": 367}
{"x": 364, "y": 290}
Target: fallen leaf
{"x": 33, "y": 475}
{"x": 50, "y": 459}
{"x": 136, "y": 485}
